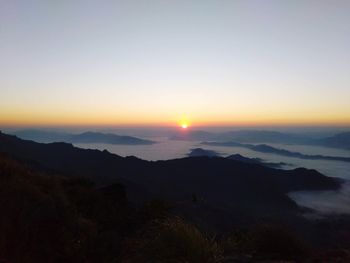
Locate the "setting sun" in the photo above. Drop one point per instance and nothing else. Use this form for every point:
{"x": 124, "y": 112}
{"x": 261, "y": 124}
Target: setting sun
{"x": 184, "y": 125}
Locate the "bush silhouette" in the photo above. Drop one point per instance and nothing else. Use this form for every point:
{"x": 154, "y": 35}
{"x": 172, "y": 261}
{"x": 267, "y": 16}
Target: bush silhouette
{"x": 276, "y": 242}
{"x": 171, "y": 240}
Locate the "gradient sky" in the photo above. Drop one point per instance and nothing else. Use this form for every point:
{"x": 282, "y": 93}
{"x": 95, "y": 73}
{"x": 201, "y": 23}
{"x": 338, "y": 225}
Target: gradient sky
{"x": 161, "y": 62}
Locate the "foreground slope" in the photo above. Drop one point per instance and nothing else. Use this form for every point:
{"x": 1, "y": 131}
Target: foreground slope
{"x": 49, "y": 218}
{"x": 46, "y": 217}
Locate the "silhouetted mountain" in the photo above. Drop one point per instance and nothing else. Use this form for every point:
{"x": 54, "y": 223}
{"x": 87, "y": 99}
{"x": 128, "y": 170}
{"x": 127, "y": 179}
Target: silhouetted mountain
{"x": 263, "y": 148}
{"x": 109, "y": 138}
{"x": 240, "y": 158}
{"x": 256, "y": 136}
{"x": 340, "y": 140}
{"x": 196, "y": 152}
{"x": 225, "y": 184}
{"x": 243, "y": 136}
{"x": 42, "y": 135}
{"x": 86, "y": 137}
{"x": 200, "y": 152}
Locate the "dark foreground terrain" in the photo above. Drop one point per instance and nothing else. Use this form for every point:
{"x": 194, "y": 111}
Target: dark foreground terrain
{"x": 59, "y": 203}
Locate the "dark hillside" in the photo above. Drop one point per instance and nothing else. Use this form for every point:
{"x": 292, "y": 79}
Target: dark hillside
{"x": 220, "y": 183}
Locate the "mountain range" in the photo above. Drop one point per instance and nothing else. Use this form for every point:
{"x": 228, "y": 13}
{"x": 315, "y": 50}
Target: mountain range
{"x": 264, "y": 148}
{"x": 226, "y": 186}
{"x": 198, "y": 152}
{"x": 340, "y": 140}
{"x": 86, "y": 137}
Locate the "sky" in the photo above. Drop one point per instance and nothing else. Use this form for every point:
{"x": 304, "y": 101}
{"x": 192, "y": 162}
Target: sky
{"x": 169, "y": 62}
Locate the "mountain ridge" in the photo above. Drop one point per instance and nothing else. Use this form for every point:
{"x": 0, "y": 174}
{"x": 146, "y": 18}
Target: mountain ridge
{"x": 85, "y": 137}
{"x": 338, "y": 140}
{"x": 217, "y": 180}
{"x": 264, "y": 148}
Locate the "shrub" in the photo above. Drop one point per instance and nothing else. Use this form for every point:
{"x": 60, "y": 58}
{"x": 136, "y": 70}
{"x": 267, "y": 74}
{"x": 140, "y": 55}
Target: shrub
{"x": 276, "y": 242}
{"x": 171, "y": 240}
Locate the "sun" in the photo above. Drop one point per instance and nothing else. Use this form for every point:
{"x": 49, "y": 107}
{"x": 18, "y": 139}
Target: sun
{"x": 184, "y": 125}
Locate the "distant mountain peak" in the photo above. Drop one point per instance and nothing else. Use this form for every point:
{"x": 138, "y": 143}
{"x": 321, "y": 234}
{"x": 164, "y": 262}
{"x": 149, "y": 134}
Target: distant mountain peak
{"x": 85, "y": 137}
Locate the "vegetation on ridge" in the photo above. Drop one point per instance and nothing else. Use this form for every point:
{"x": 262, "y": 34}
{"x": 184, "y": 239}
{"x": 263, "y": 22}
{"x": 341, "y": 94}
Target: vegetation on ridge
{"x": 51, "y": 218}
